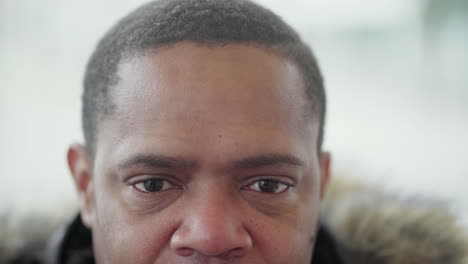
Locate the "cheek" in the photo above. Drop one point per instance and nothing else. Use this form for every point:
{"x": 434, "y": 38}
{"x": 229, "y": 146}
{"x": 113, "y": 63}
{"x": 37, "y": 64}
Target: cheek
{"x": 287, "y": 245}
{"x": 123, "y": 236}
{"x": 289, "y": 239}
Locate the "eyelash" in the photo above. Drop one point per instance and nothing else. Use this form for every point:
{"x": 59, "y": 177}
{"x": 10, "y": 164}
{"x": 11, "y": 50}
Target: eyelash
{"x": 284, "y": 186}
{"x": 163, "y": 180}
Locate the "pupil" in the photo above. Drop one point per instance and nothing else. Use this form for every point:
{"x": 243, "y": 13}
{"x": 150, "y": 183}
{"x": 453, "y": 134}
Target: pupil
{"x": 153, "y": 185}
{"x": 268, "y": 186}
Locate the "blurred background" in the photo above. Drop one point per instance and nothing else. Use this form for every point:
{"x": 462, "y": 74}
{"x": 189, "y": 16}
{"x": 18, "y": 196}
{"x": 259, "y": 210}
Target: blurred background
{"x": 395, "y": 70}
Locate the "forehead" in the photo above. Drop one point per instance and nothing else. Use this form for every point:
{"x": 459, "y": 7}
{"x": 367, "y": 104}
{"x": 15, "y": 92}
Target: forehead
{"x": 188, "y": 76}
{"x": 228, "y": 89}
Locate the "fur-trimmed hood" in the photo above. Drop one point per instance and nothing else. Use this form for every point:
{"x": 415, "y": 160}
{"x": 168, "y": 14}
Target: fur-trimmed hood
{"x": 374, "y": 226}
{"x": 371, "y": 226}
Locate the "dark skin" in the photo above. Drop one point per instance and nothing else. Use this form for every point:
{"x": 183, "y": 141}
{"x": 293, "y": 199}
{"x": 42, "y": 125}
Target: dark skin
{"x": 207, "y": 158}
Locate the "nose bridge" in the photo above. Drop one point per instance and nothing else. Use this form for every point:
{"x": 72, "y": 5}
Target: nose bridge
{"x": 212, "y": 225}
{"x": 213, "y": 204}
{"x": 212, "y": 215}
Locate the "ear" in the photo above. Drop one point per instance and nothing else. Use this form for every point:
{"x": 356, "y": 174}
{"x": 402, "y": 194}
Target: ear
{"x": 80, "y": 165}
{"x": 325, "y": 160}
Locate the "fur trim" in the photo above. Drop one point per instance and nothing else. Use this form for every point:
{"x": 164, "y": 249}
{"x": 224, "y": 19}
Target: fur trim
{"x": 372, "y": 226}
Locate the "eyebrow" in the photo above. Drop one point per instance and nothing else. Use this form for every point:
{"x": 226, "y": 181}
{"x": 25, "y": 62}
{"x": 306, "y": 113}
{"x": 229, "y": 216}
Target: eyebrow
{"x": 157, "y": 161}
{"x": 168, "y": 162}
{"x": 267, "y": 160}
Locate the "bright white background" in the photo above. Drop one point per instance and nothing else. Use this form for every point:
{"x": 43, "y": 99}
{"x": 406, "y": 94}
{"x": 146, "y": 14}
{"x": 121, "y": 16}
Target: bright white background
{"x": 395, "y": 70}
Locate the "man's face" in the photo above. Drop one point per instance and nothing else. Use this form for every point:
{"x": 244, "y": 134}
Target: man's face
{"x": 209, "y": 157}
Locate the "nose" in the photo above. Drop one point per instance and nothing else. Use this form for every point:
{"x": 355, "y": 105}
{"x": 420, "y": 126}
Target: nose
{"x": 211, "y": 227}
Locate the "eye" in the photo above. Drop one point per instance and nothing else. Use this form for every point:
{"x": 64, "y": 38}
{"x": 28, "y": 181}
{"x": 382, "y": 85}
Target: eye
{"x": 268, "y": 186}
{"x": 152, "y": 185}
